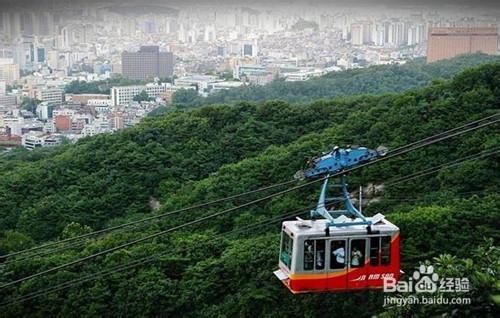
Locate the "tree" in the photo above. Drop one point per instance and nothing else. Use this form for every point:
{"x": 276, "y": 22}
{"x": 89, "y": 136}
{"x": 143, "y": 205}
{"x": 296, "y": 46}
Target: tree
{"x": 75, "y": 229}
{"x": 376, "y": 79}
{"x": 29, "y": 104}
{"x": 13, "y": 241}
{"x": 185, "y": 97}
{"x": 165, "y": 80}
{"x": 142, "y": 97}
{"x": 99, "y": 87}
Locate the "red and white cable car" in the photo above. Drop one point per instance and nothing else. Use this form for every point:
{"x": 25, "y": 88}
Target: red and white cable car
{"x": 344, "y": 250}
{"x": 348, "y": 259}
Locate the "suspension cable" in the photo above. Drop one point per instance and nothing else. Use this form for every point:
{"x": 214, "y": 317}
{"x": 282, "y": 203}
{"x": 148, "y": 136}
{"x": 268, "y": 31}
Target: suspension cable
{"x": 120, "y": 226}
{"x": 145, "y": 260}
{"x": 399, "y": 151}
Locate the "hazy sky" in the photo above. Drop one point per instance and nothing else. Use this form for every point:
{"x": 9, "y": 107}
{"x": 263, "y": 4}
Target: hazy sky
{"x": 365, "y": 3}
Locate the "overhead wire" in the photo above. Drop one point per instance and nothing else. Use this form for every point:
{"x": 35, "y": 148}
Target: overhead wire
{"x": 124, "y": 225}
{"x": 142, "y": 261}
{"x": 445, "y": 165}
{"x": 151, "y": 236}
{"x": 145, "y": 260}
{"x": 298, "y": 212}
{"x": 399, "y": 151}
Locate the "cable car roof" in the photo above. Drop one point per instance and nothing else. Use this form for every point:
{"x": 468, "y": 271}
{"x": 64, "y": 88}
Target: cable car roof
{"x": 317, "y": 227}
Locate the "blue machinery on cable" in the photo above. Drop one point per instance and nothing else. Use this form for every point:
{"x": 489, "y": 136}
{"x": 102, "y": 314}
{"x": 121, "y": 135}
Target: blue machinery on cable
{"x": 338, "y": 160}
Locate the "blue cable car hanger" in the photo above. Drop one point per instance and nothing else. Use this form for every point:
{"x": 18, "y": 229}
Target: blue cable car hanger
{"x": 338, "y": 160}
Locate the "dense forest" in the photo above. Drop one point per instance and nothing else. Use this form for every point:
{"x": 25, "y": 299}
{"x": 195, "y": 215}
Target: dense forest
{"x": 184, "y": 157}
{"x": 371, "y": 80}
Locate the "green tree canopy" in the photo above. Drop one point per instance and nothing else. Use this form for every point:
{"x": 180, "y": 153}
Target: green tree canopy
{"x": 142, "y": 97}
{"x": 188, "y": 97}
{"x": 185, "y": 157}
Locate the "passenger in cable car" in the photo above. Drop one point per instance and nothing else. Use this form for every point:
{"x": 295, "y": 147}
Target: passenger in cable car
{"x": 356, "y": 257}
{"x": 338, "y": 255}
{"x": 319, "y": 260}
{"x": 320, "y": 254}
{"x": 308, "y": 255}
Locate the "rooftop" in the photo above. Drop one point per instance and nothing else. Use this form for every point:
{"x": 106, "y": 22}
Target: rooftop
{"x": 317, "y": 227}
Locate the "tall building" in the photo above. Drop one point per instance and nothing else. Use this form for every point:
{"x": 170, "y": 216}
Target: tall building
{"x": 148, "y": 63}
{"x": 379, "y": 35}
{"x": 44, "y": 111}
{"x": 356, "y": 34}
{"x": 40, "y": 55}
{"x": 367, "y": 32}
{"x": 247, "y": 49}
{"x": 446, "y": 43}
{"x": 9, "y": 71}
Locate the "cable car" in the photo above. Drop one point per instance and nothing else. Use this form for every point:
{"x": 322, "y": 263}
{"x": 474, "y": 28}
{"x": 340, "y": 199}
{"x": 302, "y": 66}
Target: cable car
{"x": 338, "y": 249}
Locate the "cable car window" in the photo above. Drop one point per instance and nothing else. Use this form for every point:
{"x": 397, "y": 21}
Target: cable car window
{"x": 337, "y": 254}
{"x": 385, "y": 250}
{"x": 286, "y": 249}
{"x": 358, "y": 253}
{"x": 374, "y": 251}
{"x": 308, "y": 254}
{"x": 320, "y": 254}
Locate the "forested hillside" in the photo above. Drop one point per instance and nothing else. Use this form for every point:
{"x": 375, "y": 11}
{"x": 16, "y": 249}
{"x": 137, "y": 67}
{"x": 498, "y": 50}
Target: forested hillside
{"x": 371, "y": 80}
{"x": 449, "y": 218}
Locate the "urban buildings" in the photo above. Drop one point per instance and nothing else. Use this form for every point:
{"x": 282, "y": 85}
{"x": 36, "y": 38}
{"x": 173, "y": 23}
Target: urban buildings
{"x": 84, "y": 99}
{"x": 9, "y": 71}
{"x": 242, "y": 70}
{"x": 123, "y": 95}
{"x": 34, "y": 140}
{"x": 303, "y": 74}
{"x": 147, "y": 63}
{"x": 44, "y": 111}
{"x": 200, "y": 82}
{"x": 448, "y": 42}
{"x": 357, "y": 34}
{"x": 51, "y": 95}
{"x": 215, "y": 48}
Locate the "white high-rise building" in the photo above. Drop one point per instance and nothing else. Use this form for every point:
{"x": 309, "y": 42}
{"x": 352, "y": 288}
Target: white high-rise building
{"x": 367, "y": 32}
{"x": 210, "y": 34}
{"x": 356, "y": 34}
{"x": 44, "y": 111}
{"x": 379, "y": 35}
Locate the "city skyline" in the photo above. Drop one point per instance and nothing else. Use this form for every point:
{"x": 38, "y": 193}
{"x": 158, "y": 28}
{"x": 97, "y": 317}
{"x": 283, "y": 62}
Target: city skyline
{"x": 51, "y": 52}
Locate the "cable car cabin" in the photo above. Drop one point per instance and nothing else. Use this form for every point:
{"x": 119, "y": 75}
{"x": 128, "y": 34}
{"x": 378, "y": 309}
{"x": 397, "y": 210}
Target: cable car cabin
{"x": 347, "y": 259}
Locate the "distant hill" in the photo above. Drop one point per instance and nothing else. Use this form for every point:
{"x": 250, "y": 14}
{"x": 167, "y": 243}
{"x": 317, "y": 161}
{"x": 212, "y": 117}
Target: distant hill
{"x": 371, "y": 80}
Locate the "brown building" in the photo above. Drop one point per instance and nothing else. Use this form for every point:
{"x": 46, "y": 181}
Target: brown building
{"x": 9, "y": 140}
{"x": 446, "y": 43}
{"x": 148, "y": 63}
{"x": 62, "y": 123}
